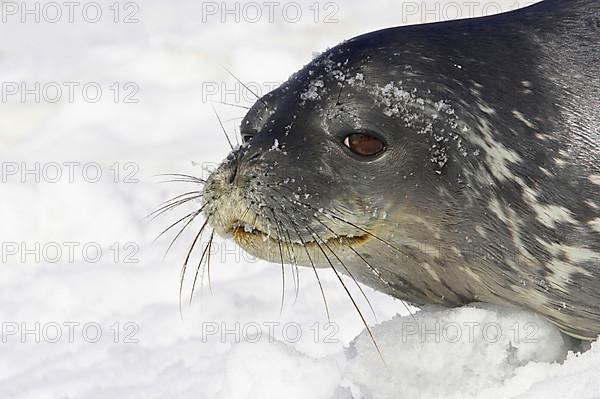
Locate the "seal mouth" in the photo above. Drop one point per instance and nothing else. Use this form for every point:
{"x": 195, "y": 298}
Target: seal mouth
{"x": 244, "y": 232}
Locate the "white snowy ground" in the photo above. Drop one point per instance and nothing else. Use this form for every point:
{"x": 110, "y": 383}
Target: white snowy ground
{"x": 235, "y": 343}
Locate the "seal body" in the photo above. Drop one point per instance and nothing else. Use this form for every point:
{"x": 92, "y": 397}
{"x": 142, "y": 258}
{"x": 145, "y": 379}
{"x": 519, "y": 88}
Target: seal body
{"x": 488, "y": 186}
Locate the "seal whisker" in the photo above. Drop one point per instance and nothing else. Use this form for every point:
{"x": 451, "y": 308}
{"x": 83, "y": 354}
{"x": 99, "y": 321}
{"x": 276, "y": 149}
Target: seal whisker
{"x": 166, "y": 208}
{"x": 341, "y": 240}
{"x": 361, "y": 257}
{"x": 339, "y": 277}
{"x": 280, "y": 231}
{"x": 233, "y": 105}
{"x": 181, "y": 175}
{"x": 223, "y": 128}
{"x": 246, "y": 87}
{"x": 332, "y": 215}
{"x": 201, "y": 266}
{"x": 210, "y": 242}
{"x": 181, "y": 180}
{"x": 290, "y": 245}
{"x": 194, "y": 194}
{"x": 310, "y": 259}
{"x": 173, "y": 225}
{"x": 346, "y": 269}
{"x": 313, "y": 267}
{"x": 374, "y": 270}
{"x": 295, "y": 275}
{"x": 335, "y": 255}
{"x": 365, "y": 231}
{"x": 234, "y": 119}
{"x": 187, "y": 259}
{"x": 282, "y": 266}
{"x": 187, "y": 224}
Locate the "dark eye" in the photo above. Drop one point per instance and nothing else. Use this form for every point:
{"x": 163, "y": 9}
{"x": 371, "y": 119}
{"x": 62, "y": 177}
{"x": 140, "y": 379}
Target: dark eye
{"x": 247, "y": 135}
{"x": 364, "y": 144}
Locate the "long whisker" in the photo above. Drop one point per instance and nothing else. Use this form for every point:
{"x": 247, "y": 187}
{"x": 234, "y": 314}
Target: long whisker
{"x": 180, "y": 180}
{"x": 162, "y": 205}
{"x": 351, "y": 248}
{"x": 317, "y": 239}
{"x": 280, "y": 231}
{"x": 362, "y": 258}
{"x": 293, "y": 255}
{"x": 195, "y": 192}
{"x": 193, "y": 178}
{"x": 246, "y": 87}
{"x": 356, "y": 252}
{"x": 173, "y": 225}
{"x": 166, "y": 208}
{"x": 233, "y": 105}
{"x": 346, "y": 269}
{"x": 200, "y": 263}
{"x": 373, "y": 269}
{"x": 282, "y": 269}
{"x": 210, "y": 242}
{"x": 187, "y": 224}
{"x": 185, "y": 264}
{"x": 331, "y": 215}
{"x": 312, "y": 263}
{"x": 223, "y": 128}
{"x": 376, "y": 272}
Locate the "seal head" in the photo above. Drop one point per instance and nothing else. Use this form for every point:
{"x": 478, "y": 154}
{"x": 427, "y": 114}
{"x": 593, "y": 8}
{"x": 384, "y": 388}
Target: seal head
{"x": 445, "y": 163}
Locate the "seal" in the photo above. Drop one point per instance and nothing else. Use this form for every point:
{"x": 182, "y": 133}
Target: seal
{"x": 443, "y": 163}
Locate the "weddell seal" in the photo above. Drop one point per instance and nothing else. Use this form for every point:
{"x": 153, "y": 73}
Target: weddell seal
{"x": 444, "y": 163}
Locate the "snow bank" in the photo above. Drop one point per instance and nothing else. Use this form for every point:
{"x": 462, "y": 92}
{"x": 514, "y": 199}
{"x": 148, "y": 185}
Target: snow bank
{"x": 465, "y": 352}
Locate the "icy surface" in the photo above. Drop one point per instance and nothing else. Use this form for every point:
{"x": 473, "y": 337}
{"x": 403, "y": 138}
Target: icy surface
{"x": 233, "y": 343}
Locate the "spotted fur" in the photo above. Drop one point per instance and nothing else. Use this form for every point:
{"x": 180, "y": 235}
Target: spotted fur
{"x": 490, "y": 186}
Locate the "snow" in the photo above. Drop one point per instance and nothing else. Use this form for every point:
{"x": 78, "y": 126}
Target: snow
{"x": 78, "y": 323}
{"x": 312, "y": 93}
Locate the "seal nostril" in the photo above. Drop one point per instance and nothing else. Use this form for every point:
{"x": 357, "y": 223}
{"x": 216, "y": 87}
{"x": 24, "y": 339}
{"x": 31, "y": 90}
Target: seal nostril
{"x": 232, "y": 175}
{"x": 233, "y": 168}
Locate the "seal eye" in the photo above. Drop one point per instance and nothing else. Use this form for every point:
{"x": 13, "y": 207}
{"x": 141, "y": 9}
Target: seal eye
{"x": 364, "y": 144}
{"x": 247, "y": 135}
